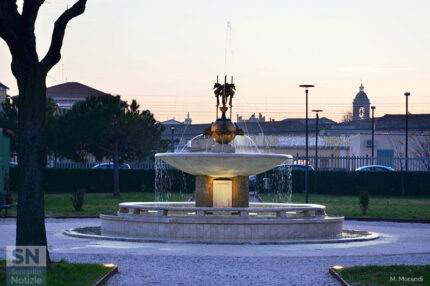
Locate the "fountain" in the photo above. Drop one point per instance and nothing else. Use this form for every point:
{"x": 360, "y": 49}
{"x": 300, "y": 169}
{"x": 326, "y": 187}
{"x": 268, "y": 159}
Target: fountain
{"x": 222, "y": 211}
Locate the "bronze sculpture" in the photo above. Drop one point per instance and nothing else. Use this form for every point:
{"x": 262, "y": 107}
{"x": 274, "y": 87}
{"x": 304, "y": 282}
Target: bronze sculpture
{"x": 223, "y": 130}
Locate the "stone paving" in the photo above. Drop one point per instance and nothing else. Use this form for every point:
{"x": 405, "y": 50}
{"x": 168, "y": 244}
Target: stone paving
{"x": 198, "y": 264}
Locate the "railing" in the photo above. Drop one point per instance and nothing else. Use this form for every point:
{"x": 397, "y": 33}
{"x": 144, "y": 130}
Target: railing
{"x": 78, "y": 165}
{"x": 275, "y": 209}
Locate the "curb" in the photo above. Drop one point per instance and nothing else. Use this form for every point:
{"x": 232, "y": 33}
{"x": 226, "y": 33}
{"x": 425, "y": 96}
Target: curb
{"x": 402, "y": 220}
{"x": 337, "y": 277}
{"x": 105, "y": 278}
{"x": 72, "y": 232}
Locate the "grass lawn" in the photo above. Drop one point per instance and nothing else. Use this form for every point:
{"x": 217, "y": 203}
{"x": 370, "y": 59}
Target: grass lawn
{"x": 380, "y": 275}
{"x": 64, "y": 273}
{"x": 94, "y": 204}
{"x": 379, "y": 207}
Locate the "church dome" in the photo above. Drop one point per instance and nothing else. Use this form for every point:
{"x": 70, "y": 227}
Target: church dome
{"x": 361, "y": 97}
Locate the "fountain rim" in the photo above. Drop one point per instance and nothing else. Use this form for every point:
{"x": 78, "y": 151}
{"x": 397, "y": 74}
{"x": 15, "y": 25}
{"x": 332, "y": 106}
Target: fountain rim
{"x": 268, "y": 206}
{"x": 229, "y": 155}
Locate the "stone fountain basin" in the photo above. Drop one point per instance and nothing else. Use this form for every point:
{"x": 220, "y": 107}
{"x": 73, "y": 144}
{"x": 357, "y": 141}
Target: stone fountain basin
{"x": 225, "y": 165}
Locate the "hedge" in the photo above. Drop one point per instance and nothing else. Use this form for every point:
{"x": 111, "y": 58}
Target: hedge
{"x": 351, "y": 183}
{"x": 330, "y": 182}
{"x": 101, "y": 180}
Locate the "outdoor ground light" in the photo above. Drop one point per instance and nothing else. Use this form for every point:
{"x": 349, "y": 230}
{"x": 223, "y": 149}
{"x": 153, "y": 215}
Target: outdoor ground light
{"x": 337, "y": 267}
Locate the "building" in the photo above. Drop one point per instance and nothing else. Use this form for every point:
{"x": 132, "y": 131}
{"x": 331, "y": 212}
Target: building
{"x": 342, "y": 145}
{"x": 361, "y": 105}
{"x": 3, "y": 93}
{"x": 389, "y": 149}
{"x": 175, "y": 122}
{"x": 171, "y": 122}
{"x": 67, "y": 94}
{"x": 188, "y": 120}
{"x": 252, "y": 118}
{"x": 260, "y": 131}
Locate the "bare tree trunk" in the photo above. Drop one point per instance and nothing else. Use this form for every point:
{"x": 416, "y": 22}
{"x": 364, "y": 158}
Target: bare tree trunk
{"x": 17, "y": 30}
{"x": 32, "y": 159}
{"x": 116, "y": 170}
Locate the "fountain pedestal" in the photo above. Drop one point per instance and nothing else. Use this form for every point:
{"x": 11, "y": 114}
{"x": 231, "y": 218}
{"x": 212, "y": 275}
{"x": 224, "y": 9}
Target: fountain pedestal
{"x": 206, "y": 189}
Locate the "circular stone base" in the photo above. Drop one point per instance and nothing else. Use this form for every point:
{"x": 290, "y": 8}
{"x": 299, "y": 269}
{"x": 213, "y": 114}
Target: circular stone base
{"x": 220, "y": 228}
{"x": 184, "y": 221}
{"x": 345, "y": 236}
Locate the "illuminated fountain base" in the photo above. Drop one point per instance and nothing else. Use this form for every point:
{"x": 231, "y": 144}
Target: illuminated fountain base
{"x": 260, "y": 222}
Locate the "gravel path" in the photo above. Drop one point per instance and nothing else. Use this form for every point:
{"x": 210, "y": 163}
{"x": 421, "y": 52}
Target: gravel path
{"x": 215, "y": 270}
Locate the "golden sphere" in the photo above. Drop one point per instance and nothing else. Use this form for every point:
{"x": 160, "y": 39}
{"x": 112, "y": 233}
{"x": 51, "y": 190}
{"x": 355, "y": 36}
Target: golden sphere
{"x": 223, "y": 131}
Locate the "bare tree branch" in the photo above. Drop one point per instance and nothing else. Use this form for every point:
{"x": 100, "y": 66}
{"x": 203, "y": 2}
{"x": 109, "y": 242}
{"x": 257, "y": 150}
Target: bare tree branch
{"x": 29, "y": 12}
{"x": 53, "y": 55}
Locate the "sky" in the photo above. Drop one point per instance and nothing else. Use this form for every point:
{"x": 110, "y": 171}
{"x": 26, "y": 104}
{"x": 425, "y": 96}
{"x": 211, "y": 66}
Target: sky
{"x": 167, "y": 54}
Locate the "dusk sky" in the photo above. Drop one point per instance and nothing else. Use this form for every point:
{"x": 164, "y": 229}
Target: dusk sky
{"x": 166, "y": 54}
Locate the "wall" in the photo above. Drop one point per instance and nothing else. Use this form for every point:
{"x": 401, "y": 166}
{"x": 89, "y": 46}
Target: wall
{"x": 387, "y": 141}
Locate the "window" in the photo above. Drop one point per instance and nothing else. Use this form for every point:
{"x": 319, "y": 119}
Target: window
{"x": 361, "y": 112}
{"x": 385, "y": 157}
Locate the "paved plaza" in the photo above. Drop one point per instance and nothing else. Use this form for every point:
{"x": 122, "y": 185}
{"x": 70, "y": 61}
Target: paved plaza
{"x": 209, "y": 264}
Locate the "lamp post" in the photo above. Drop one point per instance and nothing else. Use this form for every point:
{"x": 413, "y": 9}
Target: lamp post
{"x": 172, "y": 143}
{"x": 407, "y": 94}
{"x": 373, "y": 133}
{"x": 307, "y": 86}
{"x": 316, "y": 150}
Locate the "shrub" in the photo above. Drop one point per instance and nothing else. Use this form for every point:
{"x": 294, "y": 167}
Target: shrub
{"x": 78, "y": 198}
{"x": 364, "y": 201}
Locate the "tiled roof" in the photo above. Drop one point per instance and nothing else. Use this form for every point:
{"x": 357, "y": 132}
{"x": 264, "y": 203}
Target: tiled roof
{"x": 72, "y": 90}
{"x": 397, "y": 121}
{"x": 171, "y": 122}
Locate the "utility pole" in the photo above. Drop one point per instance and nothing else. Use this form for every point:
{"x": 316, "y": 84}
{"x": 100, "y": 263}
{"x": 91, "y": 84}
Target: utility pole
{"x": 373, "y": 134}
{"x": 316, "y": 150}
{"x": 307, "y": 86}
{"x": 407, "y": 94}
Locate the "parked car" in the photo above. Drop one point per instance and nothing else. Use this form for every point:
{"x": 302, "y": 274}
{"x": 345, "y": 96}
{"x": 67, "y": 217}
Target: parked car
{"x": 374, "y": 168}
{"x": 110, "y": 166}
{"x": 296, "y": 167}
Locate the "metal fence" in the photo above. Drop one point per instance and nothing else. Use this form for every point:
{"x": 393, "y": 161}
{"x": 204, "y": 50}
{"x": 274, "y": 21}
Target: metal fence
{"x": 77, "y": 165}
{"x": 352, "y": 163}
{"x": 324, "y": 163}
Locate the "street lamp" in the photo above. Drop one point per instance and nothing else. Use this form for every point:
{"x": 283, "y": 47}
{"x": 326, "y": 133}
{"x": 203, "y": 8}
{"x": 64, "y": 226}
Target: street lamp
{"x": 172, "y": 144}
{"x": 316, "y": 149}
{"x": 373, "y": 133}
{"x": 307, "y": 86}
{"x": 407, "y": 94}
